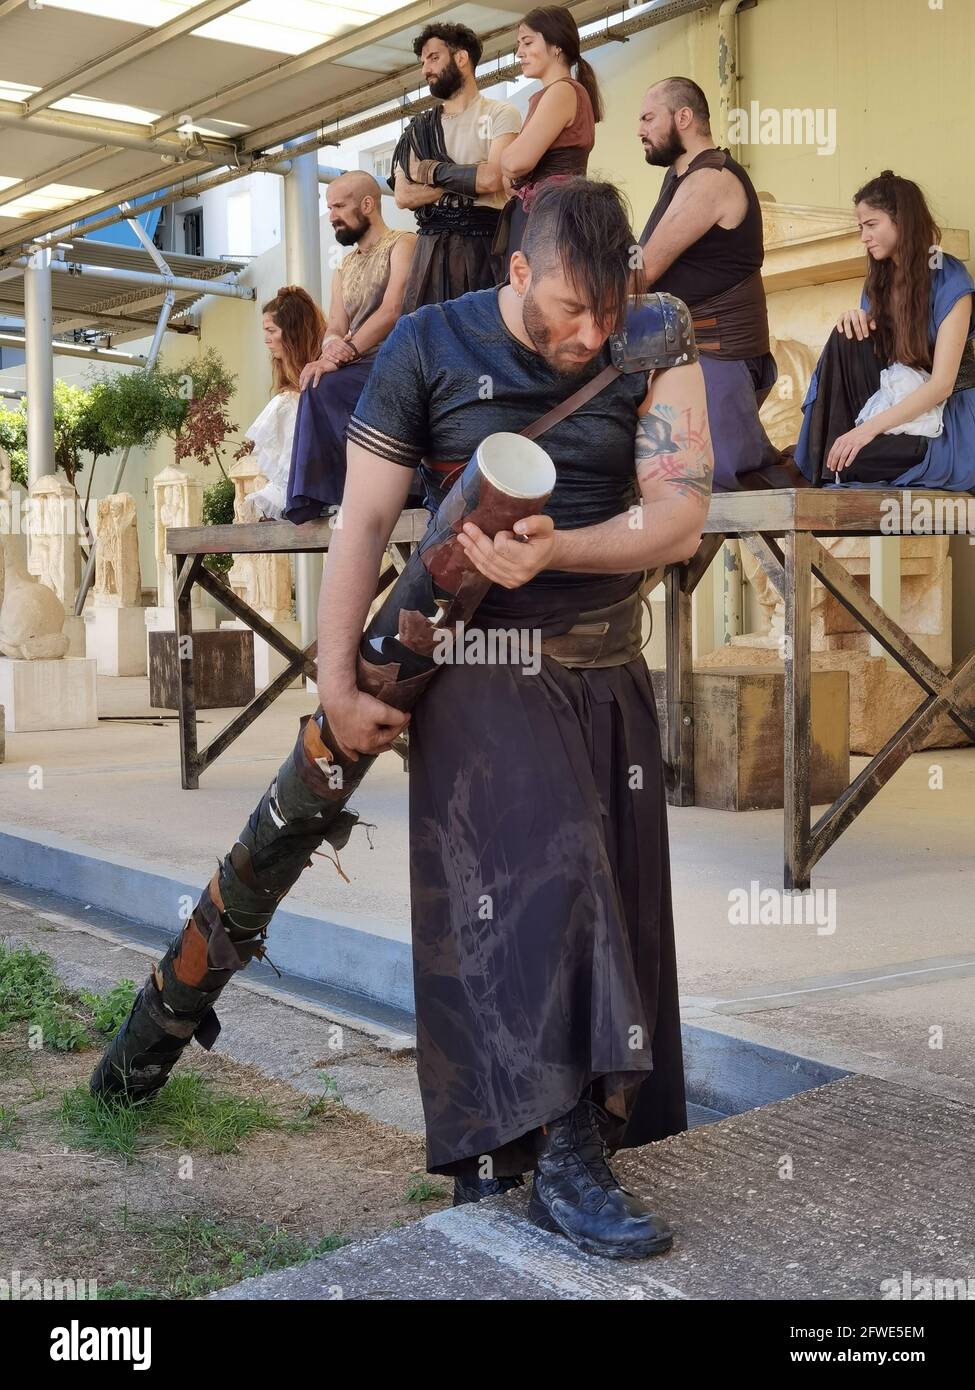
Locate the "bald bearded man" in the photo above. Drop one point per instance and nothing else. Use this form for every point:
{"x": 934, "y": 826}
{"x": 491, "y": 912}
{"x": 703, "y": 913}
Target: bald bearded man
{"x": 366, "y": 301}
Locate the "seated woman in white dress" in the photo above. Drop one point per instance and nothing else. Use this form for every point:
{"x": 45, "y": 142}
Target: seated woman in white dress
{"x": 294, "y": 327}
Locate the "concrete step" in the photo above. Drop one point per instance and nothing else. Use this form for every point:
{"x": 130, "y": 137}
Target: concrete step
{"x": 824, "y": 1195}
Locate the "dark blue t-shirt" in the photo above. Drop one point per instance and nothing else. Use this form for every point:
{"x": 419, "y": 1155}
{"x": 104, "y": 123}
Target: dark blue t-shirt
{"x": 450, "y": 374}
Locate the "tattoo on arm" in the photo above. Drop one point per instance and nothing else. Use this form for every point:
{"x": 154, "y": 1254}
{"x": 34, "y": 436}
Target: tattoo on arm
{"x": 675, "y": 448}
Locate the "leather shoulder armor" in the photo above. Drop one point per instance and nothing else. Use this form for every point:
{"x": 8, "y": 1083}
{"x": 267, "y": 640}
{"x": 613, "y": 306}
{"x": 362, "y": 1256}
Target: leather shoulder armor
{"x": 657, "y": 333}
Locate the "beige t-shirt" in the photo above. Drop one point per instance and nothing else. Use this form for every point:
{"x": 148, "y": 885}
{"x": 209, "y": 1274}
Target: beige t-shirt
{"x": 468, "y": 136}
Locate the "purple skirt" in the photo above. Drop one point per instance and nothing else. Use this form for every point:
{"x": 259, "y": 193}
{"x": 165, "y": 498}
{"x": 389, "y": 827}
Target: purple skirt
{"x": 317, "y": 477}
{"x": 735, "y": 392}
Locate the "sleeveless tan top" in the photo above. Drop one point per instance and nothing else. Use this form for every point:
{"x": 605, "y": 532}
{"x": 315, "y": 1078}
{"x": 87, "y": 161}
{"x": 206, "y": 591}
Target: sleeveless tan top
{"x": 365, "y": 277}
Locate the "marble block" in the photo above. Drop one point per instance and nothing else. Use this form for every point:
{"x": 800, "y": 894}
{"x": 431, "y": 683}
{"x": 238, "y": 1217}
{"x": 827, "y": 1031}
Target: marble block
{"x": 74, "y": 630}
{"x": 269, "y": 663}
{"x": 116, "y": 638}
{"x": 164, "y": 619}
{"x": 40, "y": 695}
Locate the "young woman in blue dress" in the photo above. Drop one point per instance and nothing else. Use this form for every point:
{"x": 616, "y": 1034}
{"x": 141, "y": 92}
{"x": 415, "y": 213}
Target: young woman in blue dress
{"x": 916, "y": 309}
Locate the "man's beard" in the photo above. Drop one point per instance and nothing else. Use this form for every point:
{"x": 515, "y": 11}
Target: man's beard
{"x": 667, "y": 153}
{"x": 348, "y": 236}
{"x": 536, "y": 326}
{"x": 447, "y": 83}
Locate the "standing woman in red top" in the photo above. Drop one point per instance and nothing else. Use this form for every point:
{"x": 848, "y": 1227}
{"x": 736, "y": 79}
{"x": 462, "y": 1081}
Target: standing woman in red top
{"x": 560, "y": 128}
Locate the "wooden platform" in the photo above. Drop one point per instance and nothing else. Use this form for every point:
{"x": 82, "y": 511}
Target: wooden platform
{"x": 188, "y": 545}
{"x": 781, "y": 528}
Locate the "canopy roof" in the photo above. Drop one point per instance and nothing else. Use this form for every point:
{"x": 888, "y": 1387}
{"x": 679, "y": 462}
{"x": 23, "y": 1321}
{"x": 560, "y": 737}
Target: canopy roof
{"x": 95, "y": 109}
{"x": 113, "y": 306}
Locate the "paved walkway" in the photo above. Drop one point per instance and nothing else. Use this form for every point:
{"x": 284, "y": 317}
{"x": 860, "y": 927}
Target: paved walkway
{"x": 824, "y": 1196}
{"x": 881, "y": 984}
{"x": 890, "y": 981}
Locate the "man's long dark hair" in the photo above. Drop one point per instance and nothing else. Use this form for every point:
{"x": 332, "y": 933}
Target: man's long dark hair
{"x": 902, "y": 333}
{"x": 584, "y": 225}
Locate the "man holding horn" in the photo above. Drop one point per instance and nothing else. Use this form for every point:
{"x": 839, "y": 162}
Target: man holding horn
{"x": 548, "y": 1030}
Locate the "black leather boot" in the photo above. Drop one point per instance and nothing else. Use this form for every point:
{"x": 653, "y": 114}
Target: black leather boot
{"x": 575, "y": 1193}
{"x": 476, "y": 1189}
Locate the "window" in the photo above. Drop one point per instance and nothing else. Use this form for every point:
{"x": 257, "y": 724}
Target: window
{"x": 163, "y": 237}
{"x": 193, "y": 232}
{"x": 382, "y": 157}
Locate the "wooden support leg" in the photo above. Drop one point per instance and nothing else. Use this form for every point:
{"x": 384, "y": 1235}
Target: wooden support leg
{"x": 680, "y": 691}
{"x": 798, "y": 592}
{"x": 184, "y": 569}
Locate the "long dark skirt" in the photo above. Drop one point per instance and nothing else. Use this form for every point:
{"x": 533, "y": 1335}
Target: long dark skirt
{"x": 317, "y": 477}
{"x": 446, "y": 265}
{"x": 543, "y": 935}
{"x": 848, "y": 374}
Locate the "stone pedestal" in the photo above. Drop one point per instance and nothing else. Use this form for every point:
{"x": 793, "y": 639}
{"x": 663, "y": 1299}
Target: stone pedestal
{"x": 178, "y": 502}
{"x": 223, "y": 669}
{"x": 269, "y": 663}
{"x": 74, "y": 630}
{"x": 116, "y": 638}
{"x": 164, "y": 619}
{"x": 52, "y": 543}
{"x": 45, "y": 695}
{"x": 881, "y": 696}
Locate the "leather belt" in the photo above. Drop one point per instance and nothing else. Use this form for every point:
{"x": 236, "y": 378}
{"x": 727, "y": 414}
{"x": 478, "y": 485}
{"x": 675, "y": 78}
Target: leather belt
{"x": 608, "y": 636}
{"x": 965, "y": 379}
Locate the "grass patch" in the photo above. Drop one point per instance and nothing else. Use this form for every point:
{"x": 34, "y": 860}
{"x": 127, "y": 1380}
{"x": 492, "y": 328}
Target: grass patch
{"x": 187, "y": 1113}
{"x": 188, "y": 1257}
{"x": 8, "y": 1118}
{"x": 59, "y": 1027}
{"x": 192, "y": 1115}
{"x": 110, "y": 1010}
{"x": 421, "y": 1189}
{"x": 27, "y": 983}
{"x": 90, "y": 1122}
{"x": 31, "y": 993}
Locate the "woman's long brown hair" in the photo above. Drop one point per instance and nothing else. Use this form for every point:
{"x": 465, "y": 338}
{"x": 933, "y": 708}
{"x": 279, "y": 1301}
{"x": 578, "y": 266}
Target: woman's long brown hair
{"x": 302, "y": 326}
{"x": 902, "y": 327}
{"x": 557, "y": 26}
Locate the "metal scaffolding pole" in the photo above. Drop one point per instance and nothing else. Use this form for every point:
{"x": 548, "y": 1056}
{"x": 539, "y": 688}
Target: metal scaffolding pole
{"x": 92, "y": 354}
{"x": 303, "y": 254}
{"x": 147, "y": 279}
{"x": 38, "y": 325}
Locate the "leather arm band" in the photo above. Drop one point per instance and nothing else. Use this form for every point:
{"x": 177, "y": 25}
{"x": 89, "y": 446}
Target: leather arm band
{"x": 456, "y": 178}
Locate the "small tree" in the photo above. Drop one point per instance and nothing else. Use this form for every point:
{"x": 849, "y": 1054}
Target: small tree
{"x": 69, "y": 410}
{"x": 218, "y": 510}
{"x": 13, "y": 438}
{"x": 132, "y": 409}
{"x": 77, "y": 431}
{"x": 206, "y": 428}
{"x": 186, "y": 404}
